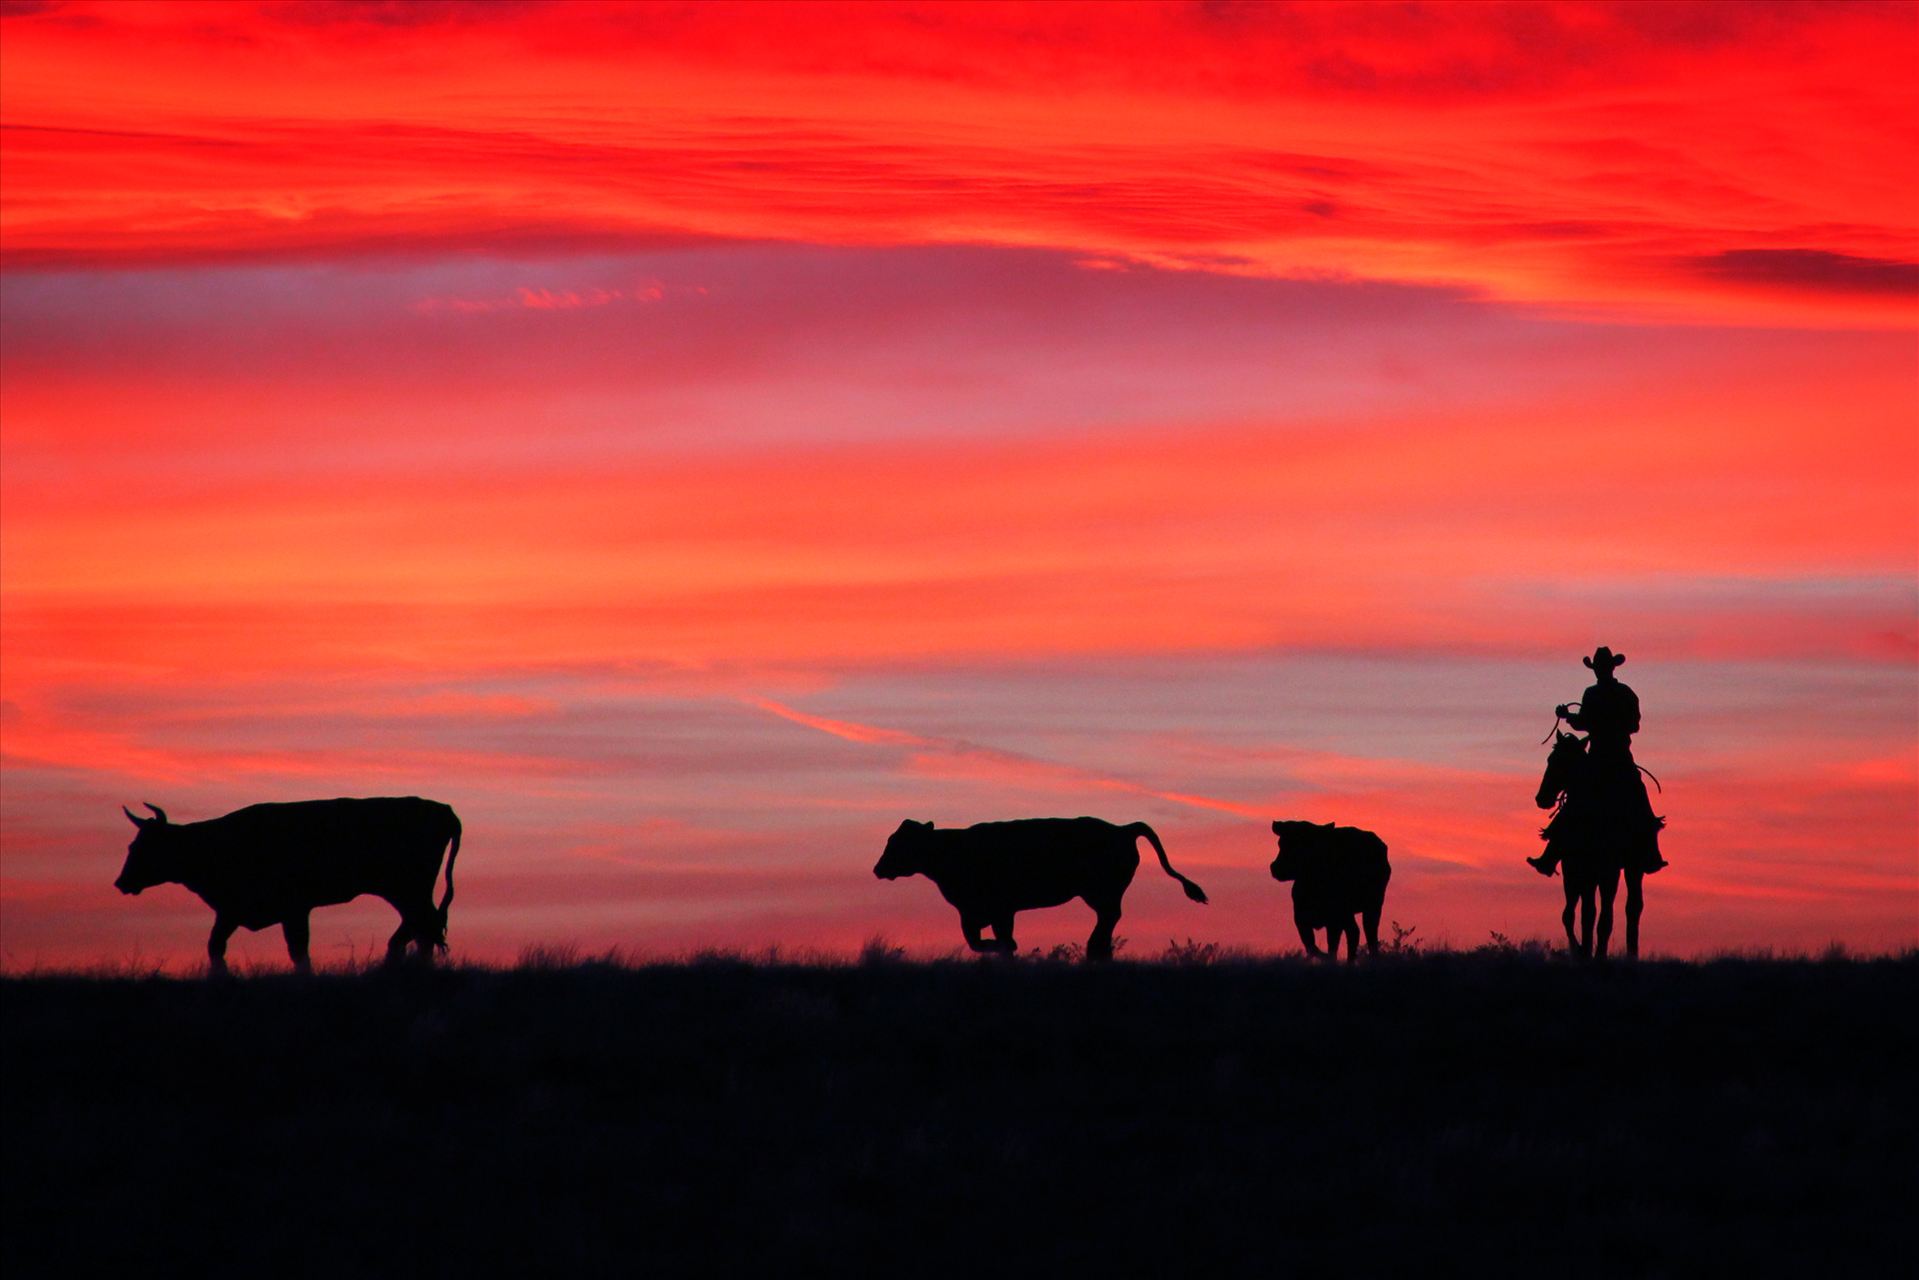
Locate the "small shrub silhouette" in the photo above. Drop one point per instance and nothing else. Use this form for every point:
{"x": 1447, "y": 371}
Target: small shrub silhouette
{"x": 1402, "y": 943}
{"x": 552, "y": 956}
{"x": 879, "y": 950}
{"x": 1192, "y": 953}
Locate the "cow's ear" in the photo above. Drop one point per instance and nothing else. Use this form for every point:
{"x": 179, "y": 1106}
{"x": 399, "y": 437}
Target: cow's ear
{"x": 134, "y": 818}
{"x": 924, "y": 826}
{"x": 1277, "y": 830}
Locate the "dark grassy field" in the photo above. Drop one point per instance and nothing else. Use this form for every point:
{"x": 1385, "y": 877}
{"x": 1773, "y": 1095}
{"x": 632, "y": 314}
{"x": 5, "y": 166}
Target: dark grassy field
{"x": 1457, "y": 1114}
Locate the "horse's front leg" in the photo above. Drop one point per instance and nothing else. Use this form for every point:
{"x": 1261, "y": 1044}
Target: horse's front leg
{"x": 1566, "y": 916}
{"x": 1587, "y": 905}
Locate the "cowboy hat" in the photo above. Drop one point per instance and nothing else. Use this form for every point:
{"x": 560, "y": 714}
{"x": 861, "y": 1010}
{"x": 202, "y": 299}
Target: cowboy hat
{"x": 1604, "y": 659}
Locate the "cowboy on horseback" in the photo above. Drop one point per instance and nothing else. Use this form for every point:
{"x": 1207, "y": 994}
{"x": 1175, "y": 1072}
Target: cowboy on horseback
{"x": 1608, "y": 714}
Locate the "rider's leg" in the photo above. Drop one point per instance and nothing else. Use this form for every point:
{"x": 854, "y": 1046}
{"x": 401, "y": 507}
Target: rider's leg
{"x": 1646, "y": 820}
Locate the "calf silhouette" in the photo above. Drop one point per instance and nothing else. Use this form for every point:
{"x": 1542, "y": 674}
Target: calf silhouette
{"x": 271, "y": 864}
{"x": 1337, "y": 873}
{"x": 992, "y": 870}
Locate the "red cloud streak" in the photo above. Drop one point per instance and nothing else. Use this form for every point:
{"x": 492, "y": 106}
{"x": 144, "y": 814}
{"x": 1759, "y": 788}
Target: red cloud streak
{"x": 1733, "y": 162}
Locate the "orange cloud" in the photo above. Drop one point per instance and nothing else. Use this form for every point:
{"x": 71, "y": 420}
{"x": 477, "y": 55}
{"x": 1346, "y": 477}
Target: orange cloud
{"x": 1707, "y": 161}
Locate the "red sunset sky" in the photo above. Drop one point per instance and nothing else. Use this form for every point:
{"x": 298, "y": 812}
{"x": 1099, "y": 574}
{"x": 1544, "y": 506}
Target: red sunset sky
{"x": 689, "y": 439}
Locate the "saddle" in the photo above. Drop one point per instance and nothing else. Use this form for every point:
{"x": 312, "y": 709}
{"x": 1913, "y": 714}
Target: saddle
{"x": 1610, "y": 805}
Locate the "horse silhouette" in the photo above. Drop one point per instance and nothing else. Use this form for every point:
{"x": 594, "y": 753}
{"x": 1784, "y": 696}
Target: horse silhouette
{"x": 1594, "y": 843}
{"x": 992, "y": 870}
{"x": 272, "y": 864}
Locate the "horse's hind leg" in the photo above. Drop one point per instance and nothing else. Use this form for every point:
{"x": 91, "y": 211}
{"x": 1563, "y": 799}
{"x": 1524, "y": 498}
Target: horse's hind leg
{"x": 1588, "y": 905}
{"x": 1635, "y": 903}
{"x": 1608, "y": 890}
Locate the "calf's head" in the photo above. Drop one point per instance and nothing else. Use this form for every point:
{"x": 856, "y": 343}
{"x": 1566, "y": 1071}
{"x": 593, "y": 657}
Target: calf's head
{"x": 154, "y": 856}
{"x": 1300, "y": 844}
{"x": 905, "y": 850}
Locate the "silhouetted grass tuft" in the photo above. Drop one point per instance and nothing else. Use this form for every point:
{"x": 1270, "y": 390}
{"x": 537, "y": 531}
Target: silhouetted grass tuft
{"x": 1496, "y": 1111}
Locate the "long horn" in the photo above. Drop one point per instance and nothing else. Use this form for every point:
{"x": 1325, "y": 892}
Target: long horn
{"x": 158, "y": 812}
{"x": 134, "y": 818}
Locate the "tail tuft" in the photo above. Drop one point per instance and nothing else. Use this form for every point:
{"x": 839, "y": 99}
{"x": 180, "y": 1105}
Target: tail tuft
{"x": 1193, "y": 891}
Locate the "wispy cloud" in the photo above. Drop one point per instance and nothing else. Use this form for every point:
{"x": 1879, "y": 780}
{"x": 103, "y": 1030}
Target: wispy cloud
{"x": 951, "y": 757}
{"x": 530, "y": 298}
{"x": 1722, "y": 165}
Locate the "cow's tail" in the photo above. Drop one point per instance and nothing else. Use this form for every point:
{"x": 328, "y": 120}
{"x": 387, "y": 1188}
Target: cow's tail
{"x": 446, "y": 899}
{"x": 1193, "y": 891}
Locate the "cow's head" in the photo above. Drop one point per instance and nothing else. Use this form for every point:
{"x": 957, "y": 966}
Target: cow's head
{"x": 153, "y": 857}
{"x": 1300, "y": 844}
{"x": 905, "y": 851}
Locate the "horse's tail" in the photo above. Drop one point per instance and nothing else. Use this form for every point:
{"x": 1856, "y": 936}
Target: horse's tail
{"x": 446, "y": 899}
{"x": 1193, "y": 891}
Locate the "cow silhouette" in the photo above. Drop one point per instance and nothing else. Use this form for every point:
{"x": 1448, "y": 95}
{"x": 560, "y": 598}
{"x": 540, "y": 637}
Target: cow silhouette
{"x": 272, "y": 864}
{"x": 1338, "y": 873}
{"x": 992, "y": 870}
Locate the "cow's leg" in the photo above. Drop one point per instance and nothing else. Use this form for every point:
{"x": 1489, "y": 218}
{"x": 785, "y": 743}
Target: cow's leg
{"x": 1352, "y": 940}
{"x": 1003, "y": 934}
{"x": 1635, "y": 903}
{"x": 217, "y": 945}
{"x": 425, "y": 927}
{"x": 1306, "y": 936}
{"x": 396, "y": 945}
{"x": 1099, "y": 946}
{"x": 295, "y": 929}
{"x": 1371, "y": 918}
{"x": 971, "y": 926}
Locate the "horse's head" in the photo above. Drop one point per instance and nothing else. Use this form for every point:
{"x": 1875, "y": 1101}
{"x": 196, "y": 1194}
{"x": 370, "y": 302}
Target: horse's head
{"x": 1569, "y": 750}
